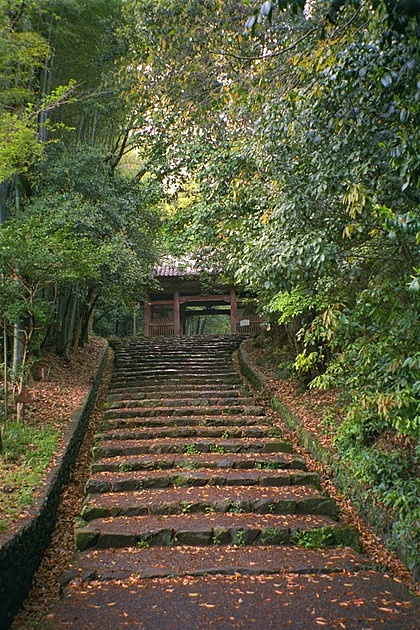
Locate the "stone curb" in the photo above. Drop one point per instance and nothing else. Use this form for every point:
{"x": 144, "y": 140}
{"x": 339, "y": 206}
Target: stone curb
{"x": 375, "y": 517}
{"x": 21, "y": 552}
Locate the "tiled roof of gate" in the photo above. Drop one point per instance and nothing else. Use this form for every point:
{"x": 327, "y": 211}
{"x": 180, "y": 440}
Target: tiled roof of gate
{"x": 171, "y": 267}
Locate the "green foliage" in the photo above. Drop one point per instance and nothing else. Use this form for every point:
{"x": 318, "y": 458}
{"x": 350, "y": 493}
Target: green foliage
{"x": 390, "y": 477}
{"x": 19, "y": 145}
{"x": 143, "y": 544}
{"x": 314, "y": 538}
{"x": 122, "y": 268}
{"x": 268, "y": 466}
{"x": 85, "y": 239}
{"x": 125, "y": 467}
{"x": 240, "y": 538}
{"x": 217, "y": 448}
{"x": 191, "y": 449}
{"x": 378, "y": 364}
{"x": 21, "y": 53}
{"x": 29, "y": 448}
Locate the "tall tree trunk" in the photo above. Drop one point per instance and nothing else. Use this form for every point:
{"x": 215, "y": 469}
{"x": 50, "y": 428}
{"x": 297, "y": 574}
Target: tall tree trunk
{"x": 77, "y": 326}
{"x": 87, "y": 316}
{"x": 69, "y": 325}
{"x": 64, "y": 306}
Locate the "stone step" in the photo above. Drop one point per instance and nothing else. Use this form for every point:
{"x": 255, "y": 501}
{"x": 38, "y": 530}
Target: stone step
{"x": 150, "y": 433}
{"x": 181, "y": 366}
{"x": 272, "y": 500}
{"x": 113, "y": 448}
{"x": 225, "y": 376}
{"x": 188, "y": 421}
{"x": 193, "y": 344}
{"x": 169, "y": 401}
{"x": 243, "y": 461}
{"x": 133, "y": 481}
{"x": 162, "y": 373}
{"x": 208, "y": 394}
{"x": 210, "y": 529}
{"x": 165, "y": 388}
{"x": 186, "y": 380}
{"x": 362, "y": 599}
{"x": 161, "y": 562}
{"x": 205, "y": 410}
{"x": 175, "y": 361}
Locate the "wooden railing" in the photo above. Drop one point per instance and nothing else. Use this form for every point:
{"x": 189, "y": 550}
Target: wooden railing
{"x": 167, "y": 329}
{"x": 161, "y": 330}
{"x": 253, "y": 328}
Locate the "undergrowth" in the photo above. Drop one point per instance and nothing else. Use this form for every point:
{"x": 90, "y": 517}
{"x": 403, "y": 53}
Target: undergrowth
{"x": 391, "y": 479}
{"x": 27, "y": 452}
{"x": 366, "y": 349}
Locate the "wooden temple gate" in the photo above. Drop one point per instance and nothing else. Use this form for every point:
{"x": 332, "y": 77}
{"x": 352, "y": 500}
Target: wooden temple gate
{"x": 182, "y": 295}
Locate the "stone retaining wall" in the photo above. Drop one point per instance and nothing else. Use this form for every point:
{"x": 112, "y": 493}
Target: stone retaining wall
{"x": 379, "y": 519}
{"x": 21, "y": 552}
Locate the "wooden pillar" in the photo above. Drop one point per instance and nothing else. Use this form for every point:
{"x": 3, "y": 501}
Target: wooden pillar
{"x": 147, "y": 318}
{"x": 177, "y": 315}
{"x": 233, "y": 311}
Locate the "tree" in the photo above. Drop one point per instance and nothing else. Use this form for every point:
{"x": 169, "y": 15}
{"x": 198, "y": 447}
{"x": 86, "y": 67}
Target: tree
{"x": 56, "y": 205}
{"x": 77, "y": 192}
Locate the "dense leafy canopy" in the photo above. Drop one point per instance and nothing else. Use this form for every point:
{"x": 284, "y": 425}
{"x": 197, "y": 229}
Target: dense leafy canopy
{"x": 75, "y": 235}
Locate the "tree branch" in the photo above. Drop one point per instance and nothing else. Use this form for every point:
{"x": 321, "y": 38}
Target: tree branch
{"x": 16, "y": 15}
{"x": 283, "y": 51}
{"x": 268, "y": 56}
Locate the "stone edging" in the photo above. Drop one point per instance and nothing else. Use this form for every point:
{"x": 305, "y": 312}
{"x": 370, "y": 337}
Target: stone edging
{"x": 21, "y": 552}
{"x": 377, "y": 518}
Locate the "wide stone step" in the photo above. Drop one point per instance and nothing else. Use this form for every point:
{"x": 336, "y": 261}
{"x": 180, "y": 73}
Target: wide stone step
{"x": 112, "y": 448}
{"x": 204, "y": 410}
{"x": 186, "y": 382}
{"x": 202, "y": 368}
{"x": 160, "y": 562}
{"x": 234, "y": 461}
{"x": 161, "y": 373}
{"x": 169, "y": 388}
{"x": 184, "y": 345}
{"x": 226, "y": 401}
{"x": 173, "y": 358}
{"x": 207, "y": 394}
{"x": 182, "y": 364}
{"x": 187, "y": 421}
{"x": 194, "y": 500}
{"x": 131, "y": 481}
{"x": 182, "y": 379}
{"x": 211, "y": 529}
{"x": 150, "y": 433}
{"x": 365, "y": 599}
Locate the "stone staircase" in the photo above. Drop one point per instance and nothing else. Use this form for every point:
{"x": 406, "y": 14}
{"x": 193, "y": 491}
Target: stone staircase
{"x": 188, "y": 467}
{"x": 198, "y": 514}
